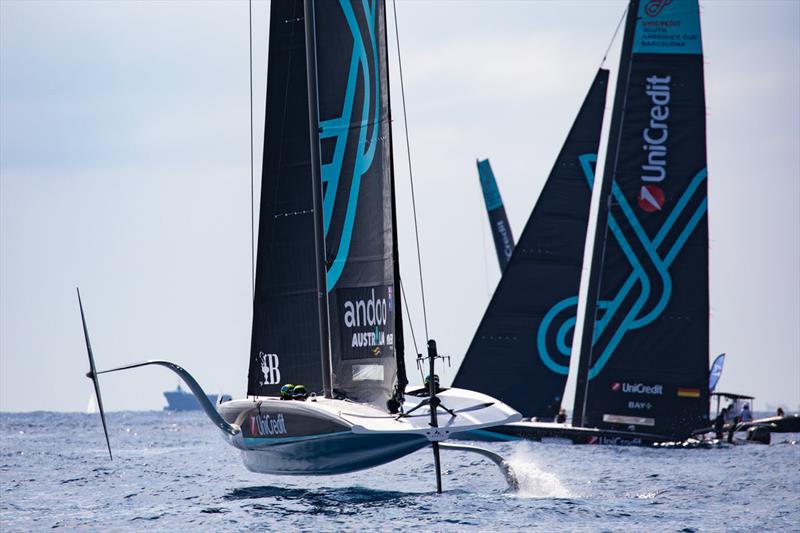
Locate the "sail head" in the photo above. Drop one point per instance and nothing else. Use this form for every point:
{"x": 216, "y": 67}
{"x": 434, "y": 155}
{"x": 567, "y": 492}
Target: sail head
{"x": 498, "y": 220}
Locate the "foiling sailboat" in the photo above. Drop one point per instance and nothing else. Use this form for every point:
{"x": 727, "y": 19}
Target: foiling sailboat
{"x": 327, "y": 306}
{"x": 642, "y": 373}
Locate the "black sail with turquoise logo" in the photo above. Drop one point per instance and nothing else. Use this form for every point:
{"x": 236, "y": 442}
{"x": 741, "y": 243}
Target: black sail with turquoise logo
{"x": 285, "y": 345}
{"x": 358, "y": 199}
{"x": 498, "y": 221}
{"x": 520, "y": 351}
{"x": 357, "y": 202}
{"x": 644, "y": 364}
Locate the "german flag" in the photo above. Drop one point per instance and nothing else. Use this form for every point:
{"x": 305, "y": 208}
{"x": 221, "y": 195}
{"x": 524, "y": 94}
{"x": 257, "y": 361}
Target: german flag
{"x": 683, "y": 392}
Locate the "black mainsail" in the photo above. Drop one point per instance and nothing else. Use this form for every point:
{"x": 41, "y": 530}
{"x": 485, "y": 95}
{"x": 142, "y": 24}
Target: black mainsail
{"x": 520, "y": 351}
{"x": 351, "y": 104}
{"x": 644, "y": 355}
{"x": 358, "y": 203}
{"x": 501, "y": 230}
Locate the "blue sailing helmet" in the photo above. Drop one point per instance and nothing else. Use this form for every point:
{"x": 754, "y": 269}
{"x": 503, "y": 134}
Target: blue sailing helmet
{"x": 299, "y": 392}
{"x": 287, "y": 391}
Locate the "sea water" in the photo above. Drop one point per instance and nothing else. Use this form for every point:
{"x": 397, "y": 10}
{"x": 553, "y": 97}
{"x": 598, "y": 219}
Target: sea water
{"x": 173, "y": 472}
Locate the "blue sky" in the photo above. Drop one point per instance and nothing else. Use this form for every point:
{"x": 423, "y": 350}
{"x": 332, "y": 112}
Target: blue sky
{"x": 124, "y": 168}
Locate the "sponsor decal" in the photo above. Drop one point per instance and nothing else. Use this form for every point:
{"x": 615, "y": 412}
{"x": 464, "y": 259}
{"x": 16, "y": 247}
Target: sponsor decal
{"x": 655, "y": 135}
{"x": 638, "y": 388}
{"x": 616, "y": 441}
{"x": 508, "y": 248}
{"x": 666, "y": 27}
{"x": 367, "y": 323}
{"x": 645, "y": 406}
{"x": 269, "y": 367}
{"x": 265, "y": 425}
{"x": 651, "y": 198}
{"x": 688, "y": 393}
{"x": 631, "y": 420}
{"x": 368, "y": 373}
{"x": 654, "y": 7}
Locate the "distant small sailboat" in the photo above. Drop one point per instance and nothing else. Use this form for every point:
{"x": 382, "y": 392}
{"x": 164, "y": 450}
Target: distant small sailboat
{"x": 92, "y": 408}
{"x": 326, "y": 312}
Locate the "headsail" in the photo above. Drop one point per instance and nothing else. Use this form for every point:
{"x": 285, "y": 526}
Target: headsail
{"x": 644, "y": 363}
{"x": 501, "y": 230}
{"x": 520, "y": 352}
{"x": 285, "y": 343}
{"x": 358, "y": 202}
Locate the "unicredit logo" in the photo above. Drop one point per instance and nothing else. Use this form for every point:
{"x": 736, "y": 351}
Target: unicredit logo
{"x": 655, "y": 7}
{"x": 638, "y": 388}
{"x": 651, "y": 198}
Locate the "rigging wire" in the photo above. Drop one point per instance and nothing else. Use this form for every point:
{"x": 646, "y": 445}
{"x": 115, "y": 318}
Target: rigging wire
{"x": 411, "y": 325}
{"x": 613, "y": 37}
{"x": 408, "y": 314}
{"x": 410, "y": 173}
{"x": 252, "y": 208}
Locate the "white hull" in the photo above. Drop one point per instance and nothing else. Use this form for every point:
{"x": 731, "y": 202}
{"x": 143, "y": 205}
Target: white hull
{"x": 325, "y": 436}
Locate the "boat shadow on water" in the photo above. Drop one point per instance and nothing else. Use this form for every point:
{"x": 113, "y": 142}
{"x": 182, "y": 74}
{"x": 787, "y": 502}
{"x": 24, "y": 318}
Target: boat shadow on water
{"x": 332, "y": 501}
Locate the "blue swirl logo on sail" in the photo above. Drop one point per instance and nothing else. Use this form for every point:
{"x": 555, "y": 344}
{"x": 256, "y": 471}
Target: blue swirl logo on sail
{"x": 637, "y": 315}
{"x": 342, "y": 127}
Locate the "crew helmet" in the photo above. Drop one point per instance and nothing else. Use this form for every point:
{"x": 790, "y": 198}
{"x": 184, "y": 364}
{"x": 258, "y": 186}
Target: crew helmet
{"x": 299, "y": 392}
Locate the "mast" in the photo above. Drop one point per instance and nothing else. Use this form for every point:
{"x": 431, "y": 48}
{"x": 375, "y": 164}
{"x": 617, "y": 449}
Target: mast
{"x": 399, "y": 343}
{"x": 601, "y": 225}
{"x": 316, "y": 186}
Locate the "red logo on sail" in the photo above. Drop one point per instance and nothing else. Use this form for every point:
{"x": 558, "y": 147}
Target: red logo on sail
{"x": 655, "y": 7}
{"x": 616, "y": 386}
{"x": 651, "y": 198}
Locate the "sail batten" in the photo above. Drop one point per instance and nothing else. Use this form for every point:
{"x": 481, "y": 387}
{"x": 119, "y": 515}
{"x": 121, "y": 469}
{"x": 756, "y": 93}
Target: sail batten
{"x": 520, "y": 351}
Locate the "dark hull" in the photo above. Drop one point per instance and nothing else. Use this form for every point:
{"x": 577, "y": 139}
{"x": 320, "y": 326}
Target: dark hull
{"x": 328, "y": 454}
{"x": 776, "y": 424}
{"x": 576, "y": 435}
